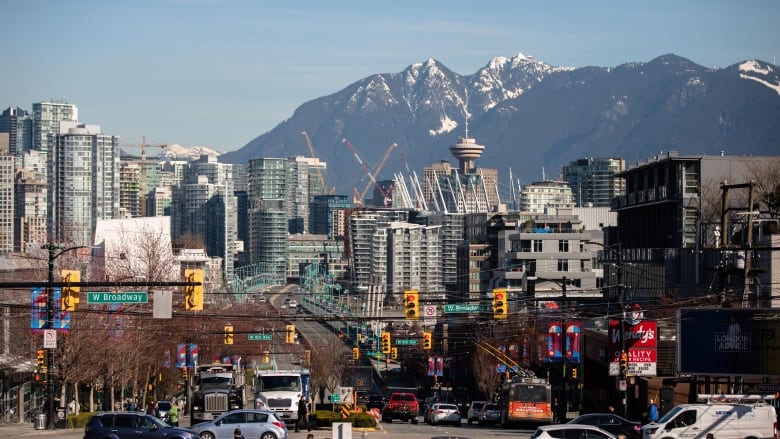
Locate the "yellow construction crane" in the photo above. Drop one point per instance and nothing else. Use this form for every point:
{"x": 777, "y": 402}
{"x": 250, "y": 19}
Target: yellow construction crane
{"x": 317, "y": 168}
{"x": 142, "y": 185}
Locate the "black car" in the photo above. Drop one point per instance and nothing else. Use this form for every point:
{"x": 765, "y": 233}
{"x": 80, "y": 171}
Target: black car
{"x": 375, "y": 402}
{"x": 612, "y": 423}
{"x": 127, "y": 425}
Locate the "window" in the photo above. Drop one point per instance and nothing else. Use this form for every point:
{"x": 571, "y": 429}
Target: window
{"x": 537, "y": 245}
{"x": 563, "y": 265}
{"x": 257, "y": 417}
{"x": 563, "y": 246}
{"x": 234, "y": 418}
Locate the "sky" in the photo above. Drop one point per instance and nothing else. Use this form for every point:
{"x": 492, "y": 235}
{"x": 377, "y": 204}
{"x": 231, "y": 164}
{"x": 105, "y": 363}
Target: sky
{"x": 218, "y": 73}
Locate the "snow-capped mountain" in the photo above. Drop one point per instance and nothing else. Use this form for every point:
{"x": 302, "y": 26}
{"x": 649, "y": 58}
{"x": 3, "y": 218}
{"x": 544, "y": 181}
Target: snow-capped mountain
{"x": 531, "y": 115}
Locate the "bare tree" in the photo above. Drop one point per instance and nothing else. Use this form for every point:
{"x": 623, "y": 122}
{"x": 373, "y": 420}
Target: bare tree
{"x": 326, "y": 369}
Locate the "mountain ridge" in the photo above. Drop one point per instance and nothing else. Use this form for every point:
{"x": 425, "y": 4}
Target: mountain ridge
{"x": 531, "y": 115}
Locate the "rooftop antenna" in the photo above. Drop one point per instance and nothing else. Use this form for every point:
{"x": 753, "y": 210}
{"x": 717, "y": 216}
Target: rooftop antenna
{"x": 467, "y": 127}
{"x": 543, "y": 176}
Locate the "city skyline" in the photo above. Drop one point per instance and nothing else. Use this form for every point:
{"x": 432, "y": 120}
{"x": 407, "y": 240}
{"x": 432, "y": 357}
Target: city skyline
{"x": 218, "y": 74}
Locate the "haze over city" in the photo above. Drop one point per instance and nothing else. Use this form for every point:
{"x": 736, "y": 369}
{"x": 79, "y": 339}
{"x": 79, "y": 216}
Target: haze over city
{"x": 218, "y": 74}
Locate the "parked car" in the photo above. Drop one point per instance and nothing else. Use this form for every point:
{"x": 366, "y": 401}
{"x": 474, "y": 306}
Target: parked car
{"x": 612, "y": 423}
{"x": 401, "y": 405}
{"x": 138, "y": 425}
{"x": 362, "y": 397}
{"x": 567, "y": 431}
{"x": 473, "y": 412}
{"x": 490, "y": 414}
{"x": 254, "y": 423}
{"x": 375, "y": 402}
{"x": 444, "y": 413}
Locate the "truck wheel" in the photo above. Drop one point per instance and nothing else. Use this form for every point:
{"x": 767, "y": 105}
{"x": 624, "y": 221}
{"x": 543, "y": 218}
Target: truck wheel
{"x": 207, "y": 435}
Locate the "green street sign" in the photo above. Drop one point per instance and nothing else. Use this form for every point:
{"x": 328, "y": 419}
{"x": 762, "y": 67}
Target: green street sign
{"x": 335, "y": 397}
{"x": 454, "y": 309}
{"x": 126, "y": 297}
{"x": 406, "y": 342}
{"x": 260, "y": 337}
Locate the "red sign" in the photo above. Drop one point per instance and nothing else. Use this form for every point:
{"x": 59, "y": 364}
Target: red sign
{"x": 642, "y": 335}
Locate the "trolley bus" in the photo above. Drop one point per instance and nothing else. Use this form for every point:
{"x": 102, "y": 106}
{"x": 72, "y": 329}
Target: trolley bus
{"x": 526, "y": 400}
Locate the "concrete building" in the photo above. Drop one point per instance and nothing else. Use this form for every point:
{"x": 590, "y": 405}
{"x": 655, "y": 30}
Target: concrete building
{"x": 413, "y": 260}
{"x": 594, "y": 181}
{"x": 46, "y": 118}
{"x": 326, "y": 215}
{"x": 6, "y": 203}
{"x": 83, "y": 181}
{"x": 305, "y": 249}
{"x": 544, "y": 196}
{"x": 303, "y": 185}
{"x": 29, "y": 210}
{"x": 268, "y": 220}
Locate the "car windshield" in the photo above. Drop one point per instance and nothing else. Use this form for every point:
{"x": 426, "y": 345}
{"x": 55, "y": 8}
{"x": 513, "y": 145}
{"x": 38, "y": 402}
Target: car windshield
{"x": 277, "y": 383}
{"x": 671, "y": 414}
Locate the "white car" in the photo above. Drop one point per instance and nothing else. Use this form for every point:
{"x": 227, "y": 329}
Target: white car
{"x": 474, "y": 408}
{"x": 565, "y": 431}
{"x": 293, "y": 304}
{"x": 444, "y": 413}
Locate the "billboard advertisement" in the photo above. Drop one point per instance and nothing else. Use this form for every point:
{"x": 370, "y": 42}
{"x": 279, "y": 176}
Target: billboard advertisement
{"x": 641, "y": 342}
{"x": 728, "y": 341}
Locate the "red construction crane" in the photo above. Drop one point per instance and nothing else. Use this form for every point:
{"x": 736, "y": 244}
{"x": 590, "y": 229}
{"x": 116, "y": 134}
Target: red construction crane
{"x": 365, "y": 169}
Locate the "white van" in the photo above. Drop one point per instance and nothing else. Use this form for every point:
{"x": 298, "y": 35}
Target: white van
{"x": 724, "y": 420}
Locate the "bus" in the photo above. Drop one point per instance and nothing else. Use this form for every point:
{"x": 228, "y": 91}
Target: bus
{"x": 526, "y": 400}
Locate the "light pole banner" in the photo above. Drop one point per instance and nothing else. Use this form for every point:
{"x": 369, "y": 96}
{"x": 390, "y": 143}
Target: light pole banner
{"x": 38, "y": 319}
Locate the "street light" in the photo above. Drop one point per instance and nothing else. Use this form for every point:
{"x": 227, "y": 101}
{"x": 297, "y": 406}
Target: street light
{"x": 53, "y": 255}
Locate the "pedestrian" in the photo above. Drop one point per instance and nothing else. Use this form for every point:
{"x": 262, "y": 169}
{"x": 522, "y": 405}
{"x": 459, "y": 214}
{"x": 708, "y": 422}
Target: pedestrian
{"x": 152, "y": 409}
{"x": 173, "y": 414}
{"x": 710, "y": 436}
{"x": 303, "y": 415}
{"x": 611, "y": 409}
{"x": 559, "y": 411}
{"x": 237, "y": 434}
{"x": 309, "y": 436}
{"x": 652, "y": 412}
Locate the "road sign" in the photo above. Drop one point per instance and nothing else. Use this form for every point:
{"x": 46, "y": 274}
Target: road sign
{"x": 429, "y": 311}
{"x": 335, "y": 397}
{"x": 464, "y": 308}
{"x": 260, "y": 337}
{"x": 49, "y": 339}
{"x": 406, "y": 342}
{"x": 127, "y": 297}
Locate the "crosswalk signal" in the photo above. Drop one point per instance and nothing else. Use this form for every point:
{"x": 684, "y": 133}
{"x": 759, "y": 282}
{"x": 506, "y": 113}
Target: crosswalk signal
{"x": 386, "y": 343}
{"x": 290, "y": 334}
{"x": 355, "y": 353}
{"x": 427, "y": 341}
{"x": 623, "y": 362}
{"x": 70, "y": 293}
{"x": 193, "y": 294}
{"x": 499, "y": 304}
{"x": 394, "y": 353}
{"x": 228, "y": 334}
{"x": 412, "y": 304}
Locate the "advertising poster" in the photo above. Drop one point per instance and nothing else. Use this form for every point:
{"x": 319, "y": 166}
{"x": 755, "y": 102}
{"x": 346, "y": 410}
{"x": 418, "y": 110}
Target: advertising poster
{"x": 641, "y": 341}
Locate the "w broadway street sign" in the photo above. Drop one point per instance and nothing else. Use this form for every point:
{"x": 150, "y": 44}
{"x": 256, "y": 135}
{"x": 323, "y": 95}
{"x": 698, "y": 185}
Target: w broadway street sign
{"x": 129, "y": 297}
{"x": 465, "y": 308}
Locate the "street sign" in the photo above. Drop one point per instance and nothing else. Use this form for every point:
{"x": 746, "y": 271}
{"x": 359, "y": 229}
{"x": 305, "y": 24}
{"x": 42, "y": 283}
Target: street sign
{"x": 429, "y": 311}
{"x": 464, "y": 308}
{"x": 335, "y": 397}
{"x": 126, "y": 297}
{"x": 49, "y": 339}
{"x": 406, "y": 342}
{"x": 260, "y": 337}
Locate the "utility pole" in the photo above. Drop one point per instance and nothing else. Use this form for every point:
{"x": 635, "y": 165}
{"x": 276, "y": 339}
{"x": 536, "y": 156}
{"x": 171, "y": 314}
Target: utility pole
{"x": 623, "y": 385}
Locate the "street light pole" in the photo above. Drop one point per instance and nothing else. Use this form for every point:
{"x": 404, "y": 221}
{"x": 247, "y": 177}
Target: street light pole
{"x": 621, "y": 297}
{"x": 53, "y": 255}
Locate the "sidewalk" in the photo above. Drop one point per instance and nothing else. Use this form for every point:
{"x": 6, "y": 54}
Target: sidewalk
{"x": 26, "y": 429}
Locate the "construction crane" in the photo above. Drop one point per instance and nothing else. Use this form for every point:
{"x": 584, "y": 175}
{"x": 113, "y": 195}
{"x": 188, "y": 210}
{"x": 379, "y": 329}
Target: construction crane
{"x": 317, "y": 168}
{"x": 378, "y": 169}
{"x": 142, "y": 185}
{"x": 365, "y": 168}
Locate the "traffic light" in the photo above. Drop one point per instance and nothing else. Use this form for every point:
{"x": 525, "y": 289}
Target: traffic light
{"x": 427, "y": 341}
{"x": 70, "y": 293}
{"x": 266, "y": 357}
{"x": 193, "y": 294}
{"x": 228, "y": 334}
{"x": 184, "y": 373}
{"x": 394, "y": 353}
{"x": 355, "y": 353}
{"x": 574, "y": 373}
{"x": 40, "y": 359}
{"x": 412, "y": 304}
{"x": 623, "y": 362}
{"x": 289, "y": 337}
{"x": 499, "y": 304}
{"x": 385, "y": 342}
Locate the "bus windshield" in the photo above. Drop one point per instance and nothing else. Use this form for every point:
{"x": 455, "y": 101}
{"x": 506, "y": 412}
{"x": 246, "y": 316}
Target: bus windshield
{"x": 529, "y": 393}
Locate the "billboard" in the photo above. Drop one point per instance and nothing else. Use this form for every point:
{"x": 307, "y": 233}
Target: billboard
{"x": 728, "y": 341}
{"x": 640, "y": 339}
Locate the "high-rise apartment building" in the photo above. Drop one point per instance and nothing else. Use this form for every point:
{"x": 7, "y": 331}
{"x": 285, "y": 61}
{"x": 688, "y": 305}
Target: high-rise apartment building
{"x": 323, "y": 217}
{"x": 595, "y": 181}
{"x": 303, "y": 185}
{"x": 46, "y": 121}
{"x": 18, "y": 124}
{"x": 205, "y": 206}
{"x": 268, "y": 219}
{"x": 29, "y": 209}
{"x": 83, "y": 182}
{"x": 413, "y": 260}
{"x": 6, "y": 203}
{"x": 544, "y": 196}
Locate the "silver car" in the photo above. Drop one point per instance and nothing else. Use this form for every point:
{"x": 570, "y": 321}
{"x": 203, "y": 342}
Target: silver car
{"x": 443, "y": 413}
{"x": 254, "y": 423}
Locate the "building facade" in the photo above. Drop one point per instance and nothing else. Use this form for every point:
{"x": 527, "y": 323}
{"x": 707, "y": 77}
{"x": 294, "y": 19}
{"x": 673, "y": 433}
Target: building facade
{"x": 594, "y": 181}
